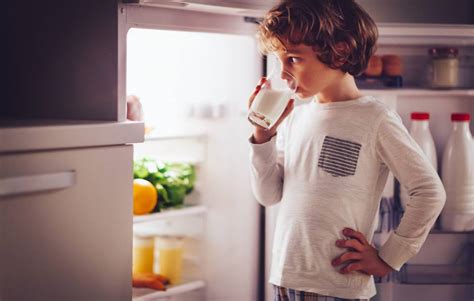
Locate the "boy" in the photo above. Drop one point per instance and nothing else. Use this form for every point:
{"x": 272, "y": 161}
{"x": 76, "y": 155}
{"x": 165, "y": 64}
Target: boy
{"x": 333, "y": 158}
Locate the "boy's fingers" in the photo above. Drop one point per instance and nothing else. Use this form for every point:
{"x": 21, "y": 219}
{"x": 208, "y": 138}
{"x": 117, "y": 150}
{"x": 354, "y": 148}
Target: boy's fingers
{"x": 351, "y": 243}
{"x": 345, "y": 257}
{"x": 351, "y": 268}
{"x": 255, "y": 92}
{"x": 286, "y": 112}
{"x": 356, "y": 234}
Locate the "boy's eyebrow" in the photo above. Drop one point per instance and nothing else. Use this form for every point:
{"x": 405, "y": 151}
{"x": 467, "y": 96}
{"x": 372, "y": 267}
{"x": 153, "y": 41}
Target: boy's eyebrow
{"x": 293, "y": 51}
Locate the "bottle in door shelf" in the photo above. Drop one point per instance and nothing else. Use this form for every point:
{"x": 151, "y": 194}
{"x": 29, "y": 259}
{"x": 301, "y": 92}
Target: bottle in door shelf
{"x": 458, "y": 176}
{"x": 420, "y": 131}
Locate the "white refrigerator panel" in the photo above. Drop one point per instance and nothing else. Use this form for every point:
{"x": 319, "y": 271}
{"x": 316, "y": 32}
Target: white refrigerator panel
{"x": 66, "y": 225}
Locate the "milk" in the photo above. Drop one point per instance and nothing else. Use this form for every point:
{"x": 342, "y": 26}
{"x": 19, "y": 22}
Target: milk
{"x": 268, "y": 106}
{"x": 420, "y": 131}
{"x": 458, "y": 177}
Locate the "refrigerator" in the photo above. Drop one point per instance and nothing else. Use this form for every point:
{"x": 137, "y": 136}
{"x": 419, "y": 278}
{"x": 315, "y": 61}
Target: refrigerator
{"x": 193, "y": 64}
{"x": 195, "y": 103}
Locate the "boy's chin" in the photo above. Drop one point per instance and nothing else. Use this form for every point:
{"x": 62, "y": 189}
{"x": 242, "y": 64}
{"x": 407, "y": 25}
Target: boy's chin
{"x": 304, "y": 96}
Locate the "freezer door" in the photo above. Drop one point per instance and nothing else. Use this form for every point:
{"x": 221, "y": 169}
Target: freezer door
{"x": 66, "y": 225}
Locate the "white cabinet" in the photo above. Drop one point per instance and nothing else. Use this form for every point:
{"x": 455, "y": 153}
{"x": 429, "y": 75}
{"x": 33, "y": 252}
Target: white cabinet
{"x": 65, "y": 166}
{"x": 70, "y": 241}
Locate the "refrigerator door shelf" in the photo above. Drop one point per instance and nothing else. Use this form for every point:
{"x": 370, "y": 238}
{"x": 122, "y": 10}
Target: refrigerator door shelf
{"x": 437, "y": 274}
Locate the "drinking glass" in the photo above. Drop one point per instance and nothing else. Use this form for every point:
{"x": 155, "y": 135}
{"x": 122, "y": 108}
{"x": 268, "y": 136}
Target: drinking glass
{"x": 270, "y": 102}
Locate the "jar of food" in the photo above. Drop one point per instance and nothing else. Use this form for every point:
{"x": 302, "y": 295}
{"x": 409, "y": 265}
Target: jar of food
{"x": 170, "y": 257}
{"x": 444, "y": 67}
{"x": 392, "y": 65}
{"x": 143, "y": 253}
{"x": 374, "y": 66}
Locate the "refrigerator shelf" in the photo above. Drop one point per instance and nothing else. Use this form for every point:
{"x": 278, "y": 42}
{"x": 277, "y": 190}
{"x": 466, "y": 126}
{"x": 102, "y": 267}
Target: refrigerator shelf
{"x": 169, "y": 213}
{"x": 144, "y": 294}
{"x": 174, "y": 136}
{"x": 441, "y": 232}
{"x": 191, "y": 130}
{"x": 431, "y": 233}
{"x": 425, "y": 34}
{"x": 418, "y": 92}
{"x": 437, "y": 274}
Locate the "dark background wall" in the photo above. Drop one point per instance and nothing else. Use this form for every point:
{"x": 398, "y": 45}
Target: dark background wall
{"x": 421, "y": 11}
{"x": 63, "y": 59}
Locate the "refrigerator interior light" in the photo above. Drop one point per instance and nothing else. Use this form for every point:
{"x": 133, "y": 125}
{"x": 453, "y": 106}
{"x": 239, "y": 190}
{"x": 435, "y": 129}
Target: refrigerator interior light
{"x": 219, "y": 7}
{"x": 165, "y": 3}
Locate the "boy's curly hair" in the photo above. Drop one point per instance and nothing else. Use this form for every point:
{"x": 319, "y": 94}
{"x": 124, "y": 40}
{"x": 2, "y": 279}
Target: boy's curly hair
{"x": 341, "y": 33}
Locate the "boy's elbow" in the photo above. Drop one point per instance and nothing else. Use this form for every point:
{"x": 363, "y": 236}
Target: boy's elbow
{"x": 441, "y": 195}
{"x": 267, "y": 201}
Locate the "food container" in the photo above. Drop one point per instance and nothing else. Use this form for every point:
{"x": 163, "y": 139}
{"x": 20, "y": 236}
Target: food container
{"x": 392, "y": 65}
{"x": 444, "y": 68}
{"x": 170, "y": 257}
{"x": 143, "y": 252}
{"x": 374, "y": 66}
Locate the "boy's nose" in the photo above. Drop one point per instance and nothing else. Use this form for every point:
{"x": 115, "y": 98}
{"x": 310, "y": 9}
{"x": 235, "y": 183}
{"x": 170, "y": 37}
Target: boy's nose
{"x": 289, "y": 79}
{"x": 285, "y": 75}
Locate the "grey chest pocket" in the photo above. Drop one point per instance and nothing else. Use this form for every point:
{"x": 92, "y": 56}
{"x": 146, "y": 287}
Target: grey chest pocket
{"x": 339, "y": 157}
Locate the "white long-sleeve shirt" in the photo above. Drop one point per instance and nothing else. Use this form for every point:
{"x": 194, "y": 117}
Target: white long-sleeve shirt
{"x": 327, "y": 167}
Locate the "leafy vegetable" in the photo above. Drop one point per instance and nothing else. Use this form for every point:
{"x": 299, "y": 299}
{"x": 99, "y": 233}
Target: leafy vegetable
{"x": 172, "y": 180}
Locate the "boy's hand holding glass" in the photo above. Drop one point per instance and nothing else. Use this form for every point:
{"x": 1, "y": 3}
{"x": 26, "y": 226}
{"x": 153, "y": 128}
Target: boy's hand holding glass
{"x": 268, "y": 107}
{"x": 361, "y": 257}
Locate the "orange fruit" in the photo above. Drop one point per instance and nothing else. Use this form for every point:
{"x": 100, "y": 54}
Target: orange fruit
{"x": 145, "y": 196}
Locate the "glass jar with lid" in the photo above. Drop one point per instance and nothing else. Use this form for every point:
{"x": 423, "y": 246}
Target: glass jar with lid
{"x": 444, "y": 71}
{"x": 143, "y": 254}
{"x": 170, "y": 257}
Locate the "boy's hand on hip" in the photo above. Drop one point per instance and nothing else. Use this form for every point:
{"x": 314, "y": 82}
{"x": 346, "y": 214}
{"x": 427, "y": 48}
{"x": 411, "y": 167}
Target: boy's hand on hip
{"x": 361, "y": 257}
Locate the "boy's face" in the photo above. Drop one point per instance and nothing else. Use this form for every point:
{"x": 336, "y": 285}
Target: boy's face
{"x": 312, "y": 76}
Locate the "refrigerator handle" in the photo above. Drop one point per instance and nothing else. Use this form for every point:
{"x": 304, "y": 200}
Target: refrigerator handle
{"x": 37, "y": 183}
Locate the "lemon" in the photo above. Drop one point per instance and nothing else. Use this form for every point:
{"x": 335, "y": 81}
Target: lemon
{"x": 145, "y": 196}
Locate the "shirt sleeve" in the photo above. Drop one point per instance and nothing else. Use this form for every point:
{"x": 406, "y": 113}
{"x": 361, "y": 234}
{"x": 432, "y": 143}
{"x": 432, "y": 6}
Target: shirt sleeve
{"x": 402, "y": 155}
{"x": 266, "y": 169}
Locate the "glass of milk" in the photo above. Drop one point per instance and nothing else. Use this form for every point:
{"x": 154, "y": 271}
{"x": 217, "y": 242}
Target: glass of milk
{"x": 270, "y": 102}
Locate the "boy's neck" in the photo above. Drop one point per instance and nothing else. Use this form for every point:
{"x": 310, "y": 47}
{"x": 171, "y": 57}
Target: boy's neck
{"x": 342, "y": 89}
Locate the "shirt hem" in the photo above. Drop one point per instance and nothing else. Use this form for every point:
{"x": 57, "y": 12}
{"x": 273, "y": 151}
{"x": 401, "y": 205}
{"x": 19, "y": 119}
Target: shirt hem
{"x": 307, "y": 285}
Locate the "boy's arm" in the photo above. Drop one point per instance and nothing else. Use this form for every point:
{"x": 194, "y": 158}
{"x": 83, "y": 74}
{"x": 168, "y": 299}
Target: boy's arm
{"x": 266, "y": 170}
{"x": 397, "y": 149}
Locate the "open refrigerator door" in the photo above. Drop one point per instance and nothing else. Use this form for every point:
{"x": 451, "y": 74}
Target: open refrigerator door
{"x": 443, "y": 269}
